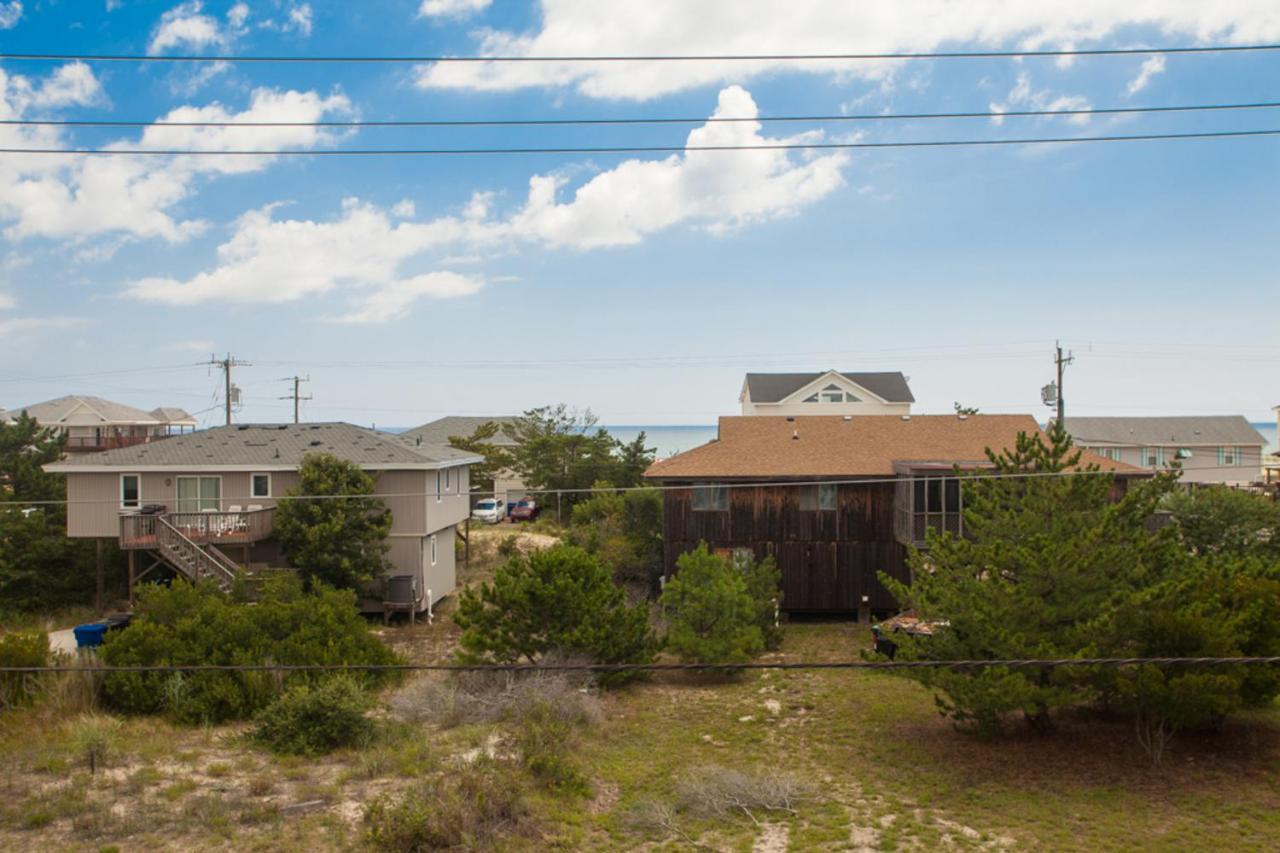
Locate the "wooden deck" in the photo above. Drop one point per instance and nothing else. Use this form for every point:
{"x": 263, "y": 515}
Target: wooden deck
{"x": 138, "y": 532}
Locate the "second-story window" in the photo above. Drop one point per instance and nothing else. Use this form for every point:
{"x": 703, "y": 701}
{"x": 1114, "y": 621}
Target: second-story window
{"x": 448, "y": 479}
{"x": 439, "y": 487}
{"x": 1228, "y": 456}
{"x": 259, "y": 485}
{"x": 819, "y": 497}
{"x": 710, "y": 498}
{"x": 1153, "y": 457}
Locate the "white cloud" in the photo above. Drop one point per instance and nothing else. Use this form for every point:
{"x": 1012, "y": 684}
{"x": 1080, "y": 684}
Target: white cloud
{"x": 187, "y": 26}
{"x": 6, "y": 302}
{"x": 275, "y": 261}
{"x": 451, "y": 8}
{"x": 16, "y": 327}
{"x": 716, "y": 189}
{"x": 80, "y": 197}
{"x": 404, "y": 209}
{"x": 1023, "y": 97}
{"x": 362, "y": 253}
{"x": 10, "y": 14}
{"x": 631, "y": 27}
{"x": 298, "y": 19}
{"x": 1150, "y": 68}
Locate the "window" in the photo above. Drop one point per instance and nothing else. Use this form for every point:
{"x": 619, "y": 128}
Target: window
{"x": 130, "y": 491}
{"x": 197, "y": 494}
{"x": 1112, "y": 453}
{"x": 819, "y": 497}
{"x": 710, "y": 498}
{"x": 832, "y": 394}
{"x": 259, "y": 485}
{"x": 1153, "y": 457}
{"x": 438, "y": 489}
{"x": 1228, "y": 456}
{"x": 433, "y": 549}
{"x": 448, "y": 479}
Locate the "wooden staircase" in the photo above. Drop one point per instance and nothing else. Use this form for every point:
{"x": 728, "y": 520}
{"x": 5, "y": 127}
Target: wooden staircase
{"x": 191, "y": 560}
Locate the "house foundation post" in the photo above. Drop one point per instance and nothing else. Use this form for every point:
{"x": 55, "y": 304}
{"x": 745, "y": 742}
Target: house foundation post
{"x": 131, "y": 559}
{"x": 101, "y": 574}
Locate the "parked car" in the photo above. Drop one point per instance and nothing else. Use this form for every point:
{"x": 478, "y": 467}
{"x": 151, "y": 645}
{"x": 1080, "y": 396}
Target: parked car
{"x": 525, "y": 510}
{"x": 489, "y": 510}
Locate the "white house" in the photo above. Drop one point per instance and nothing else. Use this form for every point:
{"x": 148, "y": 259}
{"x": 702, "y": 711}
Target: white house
{"x": 828, "y": 393}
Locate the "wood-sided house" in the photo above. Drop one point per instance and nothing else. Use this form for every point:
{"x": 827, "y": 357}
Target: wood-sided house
{"x": 203, "y": 504}
{"x": 833, "y": 499}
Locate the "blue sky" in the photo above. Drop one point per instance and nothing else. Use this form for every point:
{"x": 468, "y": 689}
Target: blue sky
{"x": 642, "y": 286}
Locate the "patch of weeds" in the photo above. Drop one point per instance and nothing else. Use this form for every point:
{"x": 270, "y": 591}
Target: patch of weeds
{"x": 542, "y": 736}
{"x": 309, "y": 720}
{"x": 178, "y": 789}
{"x": 260, "y": 786}
{"x": 95, "y": 738}
{"x": 218, "y": 770}
{"x": 471, "y": 807}
{"x": 488, "y": 697}
{"x": 142, "y": 778}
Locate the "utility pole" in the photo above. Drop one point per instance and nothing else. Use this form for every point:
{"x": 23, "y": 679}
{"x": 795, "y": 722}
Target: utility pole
{"x": 226, "y": 364}
{"x": 1061, "y": 363}
{"x": 296, "y": 380}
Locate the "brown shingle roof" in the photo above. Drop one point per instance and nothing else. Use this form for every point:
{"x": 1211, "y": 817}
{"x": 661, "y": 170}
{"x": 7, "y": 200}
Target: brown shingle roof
{"x": 863, "y": 445}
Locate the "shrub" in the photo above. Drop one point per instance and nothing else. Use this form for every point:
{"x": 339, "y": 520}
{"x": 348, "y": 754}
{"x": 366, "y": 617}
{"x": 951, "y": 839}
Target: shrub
{"x": 764, "y": 582}
{"x": 624, "y": 529}
{"x": 487, "y": 697}
{"x": 314, "y": 720}
{"x": 96, "y": 738}
{"x": 469, "y": 807}
{"x": 1222, "y": 520}
{"x": 711, "y": 615}
{"x": 192, "y": 625}
{"x": 557, "y": 600}
{"x": 509, "y": 546}
{"x": 21, "y": 648}
{"x": 542, "y": 735}
{"x": 721, "y": 791}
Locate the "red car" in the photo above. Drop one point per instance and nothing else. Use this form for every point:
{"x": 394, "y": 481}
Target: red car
{"x": 525, "y": 510}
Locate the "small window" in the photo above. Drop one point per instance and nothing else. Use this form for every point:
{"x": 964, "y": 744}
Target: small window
{"x": 130, "y": 491}
{"x": 448, "y": 479}
{"x": 710, "y": 498}
{"x": 1228, "y": 456}
{"x": 1153, "y": 457}
{"x": 433, "y": 549}
{"x": 438, "y": 491}
{"x": 259, "y": 485}
{"x": 819, "y": 497}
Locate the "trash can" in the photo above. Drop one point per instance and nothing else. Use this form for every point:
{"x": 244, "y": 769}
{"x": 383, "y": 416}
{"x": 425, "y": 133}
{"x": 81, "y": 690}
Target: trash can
{"x": 90, "y": 634}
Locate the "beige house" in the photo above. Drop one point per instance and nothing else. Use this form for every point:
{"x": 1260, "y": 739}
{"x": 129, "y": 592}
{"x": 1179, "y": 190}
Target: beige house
{"x": 829, "y": 393}
{"x": 203, "y": 504}
{"x": 1221, "y": 449}
{"x": 507, "y": 485}
{"x": 93, "y": 424}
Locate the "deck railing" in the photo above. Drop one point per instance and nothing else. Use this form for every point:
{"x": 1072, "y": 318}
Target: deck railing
{"x": 204, "y": 528}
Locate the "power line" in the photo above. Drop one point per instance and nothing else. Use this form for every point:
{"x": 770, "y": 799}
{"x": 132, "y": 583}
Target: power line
{"x": 666, "y": 57}
{"x": 634, "y": 149}
{"x": 1016, "y": 663}
{"x": 558, "y": 122}
{"x": 695, "y": 481}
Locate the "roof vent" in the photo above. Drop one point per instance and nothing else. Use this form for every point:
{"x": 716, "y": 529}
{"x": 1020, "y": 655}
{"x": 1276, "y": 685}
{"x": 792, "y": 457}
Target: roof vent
{"x": 316, "y": 442}
{"x": 906, "y": 417}
{"x": 790, "y": 419}
{"x": 848, "y": 418}
{"x": 962, "y": 416}
{"x": 795, "y": 435}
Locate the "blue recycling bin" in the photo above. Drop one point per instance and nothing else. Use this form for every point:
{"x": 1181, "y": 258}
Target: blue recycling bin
{"x": 90, "y": 635}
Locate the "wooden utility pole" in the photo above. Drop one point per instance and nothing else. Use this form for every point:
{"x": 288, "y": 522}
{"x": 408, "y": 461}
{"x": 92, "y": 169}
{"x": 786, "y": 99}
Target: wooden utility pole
{"x": 296, "y": 380}
{"x": 226, "y": 364}
{"x": 1061, "y": 363}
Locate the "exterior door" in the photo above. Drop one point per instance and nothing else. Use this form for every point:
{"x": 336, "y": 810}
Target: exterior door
{"x": 196, "y": 494}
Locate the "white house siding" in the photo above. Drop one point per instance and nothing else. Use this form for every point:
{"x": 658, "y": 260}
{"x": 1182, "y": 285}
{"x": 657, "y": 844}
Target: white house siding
{"x": 865, "y": 407}
{"x": 1202, "y": 466}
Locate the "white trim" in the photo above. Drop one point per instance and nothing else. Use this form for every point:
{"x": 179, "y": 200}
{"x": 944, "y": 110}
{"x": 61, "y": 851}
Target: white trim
{"x": 821, "y": 382}
{"x": 266, "y": 474}
{"x": 138, "y": 504}
{"x": 81, "y": 468}
{"x": 433, "y": 548}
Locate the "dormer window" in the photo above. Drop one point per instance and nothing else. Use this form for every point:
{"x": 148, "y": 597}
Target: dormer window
{"x": 832, "y": 394}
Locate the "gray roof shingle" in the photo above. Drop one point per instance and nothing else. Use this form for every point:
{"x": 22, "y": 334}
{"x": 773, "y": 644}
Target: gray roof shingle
{"x": 1145, "y": 432}
{"x": 52, "y": 412}
{"x": 439, "y": 431}
{"x": 274, "y": 446}
{"x": 772, "y": 387}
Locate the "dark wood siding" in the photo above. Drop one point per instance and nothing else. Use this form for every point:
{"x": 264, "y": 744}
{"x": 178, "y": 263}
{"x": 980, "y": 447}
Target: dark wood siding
{"x": 829, "y": 558}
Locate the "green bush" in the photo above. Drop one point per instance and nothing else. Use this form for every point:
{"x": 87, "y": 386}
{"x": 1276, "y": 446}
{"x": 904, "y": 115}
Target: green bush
{"x": 315, "y": 720}
{"x": 558, "y": 600}
{"x": 465, "y": 808}
{"x": 21, "y": 648}
{"x": 542, "y": 734}
{"x": 1222, "y": 520}
{"x": 764, "y": 585}
{"x": 191, "y": 625}
{"x": 96, "y": 737}
{"x": 623, "y": 529}
{"x": 711, "y": 615}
